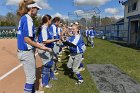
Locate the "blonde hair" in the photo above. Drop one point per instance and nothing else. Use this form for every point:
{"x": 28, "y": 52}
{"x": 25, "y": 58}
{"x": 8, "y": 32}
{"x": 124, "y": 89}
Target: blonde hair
{"x": 77, "y": 26}
{"x": 23, "y": 7}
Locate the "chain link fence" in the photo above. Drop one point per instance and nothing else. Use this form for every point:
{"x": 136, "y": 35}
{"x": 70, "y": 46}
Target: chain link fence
{"x": 8, "y": 32}
{"x": 117, "y": 32}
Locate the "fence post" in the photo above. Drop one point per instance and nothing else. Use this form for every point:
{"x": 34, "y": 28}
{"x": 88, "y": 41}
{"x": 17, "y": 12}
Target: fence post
{"x": 138, "y": 41}
{"x": 117, "y": 30}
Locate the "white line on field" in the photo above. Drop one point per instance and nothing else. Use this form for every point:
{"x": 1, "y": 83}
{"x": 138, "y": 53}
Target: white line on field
{"x": 11, "y": 71}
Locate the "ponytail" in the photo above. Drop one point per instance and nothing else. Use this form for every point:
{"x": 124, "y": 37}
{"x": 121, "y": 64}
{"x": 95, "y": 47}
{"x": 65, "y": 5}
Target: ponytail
{"x": 23, "y": 7}
{"x": 45, "y": 19}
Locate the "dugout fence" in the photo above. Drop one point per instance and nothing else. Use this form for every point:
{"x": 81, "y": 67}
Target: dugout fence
{"x": 117, "y": 32}
{"x": 8, "y": 32}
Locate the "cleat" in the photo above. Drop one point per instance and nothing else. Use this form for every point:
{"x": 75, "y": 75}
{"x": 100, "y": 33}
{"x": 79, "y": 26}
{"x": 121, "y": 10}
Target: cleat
{"x": 71, "y": 75}
{"x": 56, "y": 73}
{"x": 59, "y": 60}
{"x": 82, "y": 59}
{"x": 60, "y": 55}
{"x": 54, "y": 78}
{"x": 79, "y": 82}
{"x": 48, "y": 86}
{"x": 39, "y": 92}
{"x": 81, "y": 69}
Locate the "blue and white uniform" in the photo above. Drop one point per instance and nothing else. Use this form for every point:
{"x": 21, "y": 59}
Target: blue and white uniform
{"x": 46, "y": 34}
{"x": 78, "y": 42}
{"x": 76, "y": 54}
{"x": 25, "y": 29}
{"x": 55, "y": 31}
{"x": 87, "y": 33}
{"x": 91, "y": 36}
{"x": 26, "y": 52}
{"x": 56, "y": 47}
{"x": 59, "y": 32}
{"x": 92, "y": 33}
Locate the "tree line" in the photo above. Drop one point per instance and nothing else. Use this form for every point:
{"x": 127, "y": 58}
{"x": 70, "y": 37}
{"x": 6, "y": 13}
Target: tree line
{"x": 97, "y": 21}
{"x": 11, "y": 19}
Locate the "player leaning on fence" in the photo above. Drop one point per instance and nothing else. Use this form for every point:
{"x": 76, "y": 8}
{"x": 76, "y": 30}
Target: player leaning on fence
{"x": 26, "y": 43}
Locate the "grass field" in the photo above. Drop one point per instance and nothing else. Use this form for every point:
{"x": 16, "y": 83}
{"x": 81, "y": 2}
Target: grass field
{"x": 105, "y": 52}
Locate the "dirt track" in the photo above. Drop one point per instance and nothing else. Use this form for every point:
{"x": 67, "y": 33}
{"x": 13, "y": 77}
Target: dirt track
{"x": 13, "y": 83}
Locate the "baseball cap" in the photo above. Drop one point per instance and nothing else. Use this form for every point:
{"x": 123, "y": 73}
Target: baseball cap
{"x": 76, "y": 23}
{"x": 34, "y": 5}
{"x": 71, "y": 24}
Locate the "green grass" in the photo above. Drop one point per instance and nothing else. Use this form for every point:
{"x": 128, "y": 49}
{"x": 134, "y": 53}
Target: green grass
{"x": 104, "y": 52}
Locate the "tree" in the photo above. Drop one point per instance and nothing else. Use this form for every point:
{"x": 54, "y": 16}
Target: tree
{"x": 8, "y": 20}
{"x": 37, "y": 21}
{"x": 93, "y": 20}
{"x": 11, "y": 19}
{"x": 108, "y": 21}
{"x": 83, "y": 21}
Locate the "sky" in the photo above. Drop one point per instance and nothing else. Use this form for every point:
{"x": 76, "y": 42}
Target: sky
{"x": 107, "y": 8}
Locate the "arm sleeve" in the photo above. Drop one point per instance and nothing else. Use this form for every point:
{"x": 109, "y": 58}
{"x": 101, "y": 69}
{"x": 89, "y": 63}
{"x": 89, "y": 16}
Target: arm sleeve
{"x": 76, "y": 39}
{"x": 44, "y": 33}
{"x": 27, "y": 28}
{"x": 69, "y": 44}
{"x": 54, "y": 30}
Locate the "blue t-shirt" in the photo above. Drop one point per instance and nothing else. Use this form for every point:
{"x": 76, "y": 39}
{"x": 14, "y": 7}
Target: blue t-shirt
{"x": 46, "y": 33}
{"x": 25, "y": 29}
{"x": 78, "y": 42}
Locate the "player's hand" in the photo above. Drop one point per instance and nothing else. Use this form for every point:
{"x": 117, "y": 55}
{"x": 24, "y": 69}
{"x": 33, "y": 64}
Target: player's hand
{"x": 50, "y": 50}
{"x": 56, "y": 40}
{"x": 60, "y": 41}
{"x": 63, "y": 39}
{"x": 44, "y": 48}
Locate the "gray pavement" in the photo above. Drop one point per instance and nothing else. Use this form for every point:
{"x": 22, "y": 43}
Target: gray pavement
{"x": 110, "y": 79}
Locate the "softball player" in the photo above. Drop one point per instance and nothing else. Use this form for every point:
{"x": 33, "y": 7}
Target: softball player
{"x": 76, "y": 51}
{"x": 91, "y": 36}
{"x": 26, "y": 46}
{"x": 45, "y": 36}
{"x": 60, "y": 37}
{"x": 81, "y": 67}
{"x": 56, "y": 48}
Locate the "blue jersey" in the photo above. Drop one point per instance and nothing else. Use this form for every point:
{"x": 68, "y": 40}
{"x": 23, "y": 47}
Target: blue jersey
{"x": 78, "y": 42}
{"x": 92, "y": 32}
{"x": 25, "y": 29}
{"x": 55, "y": 31}
{"x": 45, "y": 34}
{"x": 87, "y": 33}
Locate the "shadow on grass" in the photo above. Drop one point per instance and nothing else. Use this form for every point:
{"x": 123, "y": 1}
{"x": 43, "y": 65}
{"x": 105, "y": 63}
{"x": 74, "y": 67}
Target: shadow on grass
{"x": 67, "y": 72}
{"x": 124, "y": 44}
{"x": 66, "y": 57}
